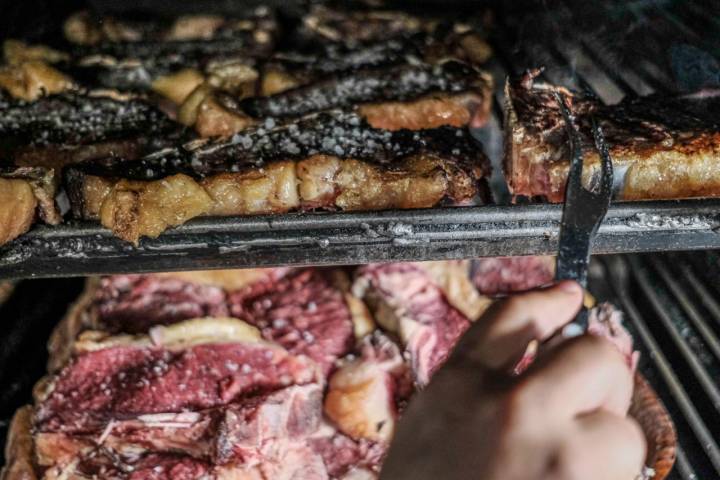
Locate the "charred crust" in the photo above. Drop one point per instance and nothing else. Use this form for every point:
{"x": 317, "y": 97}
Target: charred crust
{"x": 398, "y": 84}
{"x": 79, "y": 119}
{"x": 336, "y": 133}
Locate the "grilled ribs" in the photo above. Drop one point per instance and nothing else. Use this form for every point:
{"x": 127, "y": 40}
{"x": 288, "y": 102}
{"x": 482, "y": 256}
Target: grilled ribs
{"x": 332, "y": 160}
{"x": 662, "y": 146}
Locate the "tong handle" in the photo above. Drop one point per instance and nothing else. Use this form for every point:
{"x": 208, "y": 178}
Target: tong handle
{"x": 570, "y": 265}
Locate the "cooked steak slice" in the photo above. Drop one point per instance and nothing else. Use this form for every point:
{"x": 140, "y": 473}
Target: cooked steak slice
{"x": 303, "y": 311}
{"x": 407, "y": 301}
{"x": 418, "y": 96}
{"x": 84, "y": 28}
{"x": 360, "y": 25}
{"x": 143, "y": 56}
{"x": 354, "y": 27}
{"x": 662, "y": 146}
{"x": 126, "y": 380}
{"x": 332, "y": 160}
{"x": 60, "y": 129}
{"x": 26, "y": 193}
{"x": 503, "y": 275}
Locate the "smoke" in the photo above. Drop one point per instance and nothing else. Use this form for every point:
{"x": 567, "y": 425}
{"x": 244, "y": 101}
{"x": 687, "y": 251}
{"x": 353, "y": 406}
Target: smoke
{"x": 694, "y": 68}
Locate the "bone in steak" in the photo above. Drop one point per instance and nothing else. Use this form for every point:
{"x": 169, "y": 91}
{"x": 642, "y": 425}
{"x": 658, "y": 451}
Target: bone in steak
{"x": 662, "y": 146}
{"x": 303, "y": 311}
{"x": 332, "y": 160}
{"x": 407, "y": 301}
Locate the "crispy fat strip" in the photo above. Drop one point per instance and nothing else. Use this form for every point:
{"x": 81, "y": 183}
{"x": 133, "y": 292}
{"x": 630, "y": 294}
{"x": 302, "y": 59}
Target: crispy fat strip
{"x": 26, "y": 194}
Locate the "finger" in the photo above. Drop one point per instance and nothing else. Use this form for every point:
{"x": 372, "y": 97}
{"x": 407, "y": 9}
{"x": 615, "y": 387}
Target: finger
{"x": 603, "y": 446}
{"x": 502, "y": 334}
{"x": 581, "y": 375}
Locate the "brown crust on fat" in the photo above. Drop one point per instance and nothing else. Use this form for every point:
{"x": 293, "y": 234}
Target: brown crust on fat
{"x": 431, "y": 111}
{"x": 419, "y": 181}
{"x": 657, "y": 425}
{"x": 17, "y": 208}
{"x": 80, "y": 316}
{"x": 19, "y": 447}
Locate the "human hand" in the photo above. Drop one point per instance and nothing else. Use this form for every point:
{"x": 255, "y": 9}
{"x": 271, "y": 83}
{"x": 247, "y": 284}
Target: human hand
{"x": 565, "y": 417}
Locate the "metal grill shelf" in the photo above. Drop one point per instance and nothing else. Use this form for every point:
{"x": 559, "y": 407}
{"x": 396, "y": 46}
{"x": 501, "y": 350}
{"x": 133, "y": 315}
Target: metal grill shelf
{"x": 572, "y": 57}
{"x": 354, "y": 238}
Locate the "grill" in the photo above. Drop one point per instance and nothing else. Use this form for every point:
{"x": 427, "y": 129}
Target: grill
{"x": 553, "y": 36}
{"x": 671, "y": 298}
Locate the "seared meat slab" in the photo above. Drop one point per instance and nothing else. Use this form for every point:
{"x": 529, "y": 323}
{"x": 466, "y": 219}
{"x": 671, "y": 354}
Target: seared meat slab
{"x": 662, "y": 146}
{"x": 65, "y": 128}
{"x": 446, "y": 93}
{"x": 331, "y": 160}
{"x": 132, "y": 55}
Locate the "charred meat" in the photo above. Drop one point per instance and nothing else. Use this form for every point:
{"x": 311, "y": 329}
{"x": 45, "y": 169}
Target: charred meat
{"x": 407, "y": 96}
{"x": 352, "y": 28}
{"x": 65, "y": 128}
{"x": 144, "y": 55}
{"x": 662, "y": 146}
{"x": 331, "y": 160}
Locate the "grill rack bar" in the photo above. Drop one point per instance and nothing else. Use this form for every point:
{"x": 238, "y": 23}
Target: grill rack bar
{"x": 354, "y": 238}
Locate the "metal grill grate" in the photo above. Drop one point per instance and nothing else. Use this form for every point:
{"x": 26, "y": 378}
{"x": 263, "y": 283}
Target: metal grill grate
{"x": 611, "y": 49}
{"x": 675, "y": 319}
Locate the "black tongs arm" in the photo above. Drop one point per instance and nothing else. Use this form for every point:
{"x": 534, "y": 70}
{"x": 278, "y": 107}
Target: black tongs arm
{"x": 584, "y": 209}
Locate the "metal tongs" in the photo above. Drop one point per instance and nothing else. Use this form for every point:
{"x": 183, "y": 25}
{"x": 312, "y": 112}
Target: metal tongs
{"x": 583, "y": 212}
